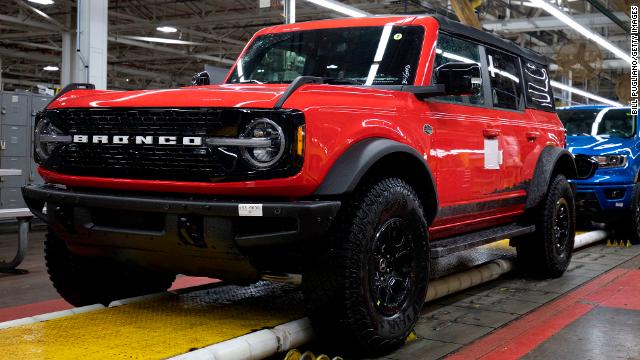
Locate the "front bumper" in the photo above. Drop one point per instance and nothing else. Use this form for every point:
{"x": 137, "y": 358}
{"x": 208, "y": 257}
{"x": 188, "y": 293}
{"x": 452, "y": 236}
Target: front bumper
{"x": 196, "y": 236}
{"x": 596, "y": 200}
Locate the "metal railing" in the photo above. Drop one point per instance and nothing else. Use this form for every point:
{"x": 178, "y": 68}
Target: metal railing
{"x": 24, "y": 217}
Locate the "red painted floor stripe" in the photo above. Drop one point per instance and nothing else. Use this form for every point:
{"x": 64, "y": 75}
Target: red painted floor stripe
{"x": 530, "y": 330}
{"x": 183, "y": 282}
{"x": 537, "y": 334}
{"x": 626, "y": 298}
{"x": 43, "y": 307}
{"x": 623, "y": 293}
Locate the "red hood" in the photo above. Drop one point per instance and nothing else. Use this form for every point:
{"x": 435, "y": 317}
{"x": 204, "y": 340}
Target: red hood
{"x": 245, "y": 96}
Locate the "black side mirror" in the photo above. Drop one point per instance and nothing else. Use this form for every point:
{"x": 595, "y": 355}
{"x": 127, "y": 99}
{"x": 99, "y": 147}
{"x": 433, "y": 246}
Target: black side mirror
{"x": 201, "y": 78}
{"x": 459, "y": 78}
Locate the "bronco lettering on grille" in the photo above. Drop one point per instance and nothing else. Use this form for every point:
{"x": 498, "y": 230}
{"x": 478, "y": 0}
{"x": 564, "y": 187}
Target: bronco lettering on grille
{"x": 138, "y": 140}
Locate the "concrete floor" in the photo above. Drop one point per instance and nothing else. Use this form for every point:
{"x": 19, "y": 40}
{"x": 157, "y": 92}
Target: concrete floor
{"x": 476, "y": 322}
{"x": 604, "y": 333}
{"x": 449, "y": 324}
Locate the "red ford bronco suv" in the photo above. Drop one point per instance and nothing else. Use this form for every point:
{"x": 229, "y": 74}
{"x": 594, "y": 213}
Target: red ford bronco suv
{"x": 351, "y": 151}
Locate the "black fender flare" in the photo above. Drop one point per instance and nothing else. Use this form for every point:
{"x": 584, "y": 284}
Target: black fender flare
{"x": 551, "y": 161}
{"x": 350, "y": 168}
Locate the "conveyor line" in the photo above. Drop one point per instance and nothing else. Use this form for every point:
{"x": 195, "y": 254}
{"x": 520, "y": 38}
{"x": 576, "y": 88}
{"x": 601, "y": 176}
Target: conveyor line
{"x": 176, "y": 324}
{"x": 157, "y": 328}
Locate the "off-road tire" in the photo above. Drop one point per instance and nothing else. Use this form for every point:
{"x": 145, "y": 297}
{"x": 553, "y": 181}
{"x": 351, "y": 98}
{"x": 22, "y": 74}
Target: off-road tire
{"x": 344, "y": 298}
{"x": 89, "y": 280}
{"x": 547, "y": 252}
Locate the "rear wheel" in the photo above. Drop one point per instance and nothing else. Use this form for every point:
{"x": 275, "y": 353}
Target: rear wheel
{"x": 86, "y": 281}
{"x": 547, "y": 252}
{"x": 366, "y": 292}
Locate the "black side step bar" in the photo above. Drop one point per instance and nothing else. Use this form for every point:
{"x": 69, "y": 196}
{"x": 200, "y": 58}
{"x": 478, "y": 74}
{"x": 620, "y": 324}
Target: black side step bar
{"x": 448, "y": 246}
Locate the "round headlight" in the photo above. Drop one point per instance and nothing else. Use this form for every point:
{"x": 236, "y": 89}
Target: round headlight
{"x": 262, "y": 157}
{"x": 47, "y": 137}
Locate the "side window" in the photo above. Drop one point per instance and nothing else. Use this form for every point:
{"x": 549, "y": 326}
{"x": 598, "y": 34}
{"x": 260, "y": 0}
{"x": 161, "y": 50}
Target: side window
{"x": 505, "y": 79}
{"x": 537, "y": 88}
{"x": 451, "y": 49}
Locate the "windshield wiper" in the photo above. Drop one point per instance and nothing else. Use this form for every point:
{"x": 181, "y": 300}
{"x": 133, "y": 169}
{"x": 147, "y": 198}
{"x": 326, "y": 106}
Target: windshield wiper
{"x": 323, "y": 80}
{"x": 303, "y": 80}
{"x": 251, "y": 81}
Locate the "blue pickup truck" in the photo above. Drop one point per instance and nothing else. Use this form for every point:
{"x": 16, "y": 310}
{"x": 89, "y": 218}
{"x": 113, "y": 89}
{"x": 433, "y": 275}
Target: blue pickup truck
{"x": 606, "y": 144}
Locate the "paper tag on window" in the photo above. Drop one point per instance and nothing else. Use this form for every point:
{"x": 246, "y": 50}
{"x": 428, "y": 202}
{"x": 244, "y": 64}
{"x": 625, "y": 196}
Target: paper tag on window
{"x": 250, "y": 209}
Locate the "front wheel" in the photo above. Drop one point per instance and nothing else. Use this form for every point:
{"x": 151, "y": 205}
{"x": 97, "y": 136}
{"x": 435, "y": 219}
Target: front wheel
{"x": 86, "y": 281}
{"x": 547, "y": 252}
{"x": 366, "y": 291}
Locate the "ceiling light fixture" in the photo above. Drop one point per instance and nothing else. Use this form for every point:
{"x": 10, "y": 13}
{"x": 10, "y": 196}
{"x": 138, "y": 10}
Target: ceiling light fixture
{"x": 164, "y": 40}
{"x": 551, "y": 9}
{"x": 341, "y": 8}
{"x": 585, "y": 94}
{"x": 42, "y": 2}
{"x": 166, "y": 29}
{"x": 50, "y": 68}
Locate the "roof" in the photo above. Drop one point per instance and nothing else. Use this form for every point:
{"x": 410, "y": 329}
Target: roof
{"x": 345, "y": 22}
{"x": 455, "y": 27}
{"x": 446, "y": 24}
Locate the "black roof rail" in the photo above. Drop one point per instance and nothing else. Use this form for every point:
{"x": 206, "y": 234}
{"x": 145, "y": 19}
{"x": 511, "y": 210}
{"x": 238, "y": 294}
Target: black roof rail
{"x": 471, "y": 33}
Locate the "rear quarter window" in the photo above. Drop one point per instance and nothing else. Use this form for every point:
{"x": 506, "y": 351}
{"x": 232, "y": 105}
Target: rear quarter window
{"x": 539, "y": 94}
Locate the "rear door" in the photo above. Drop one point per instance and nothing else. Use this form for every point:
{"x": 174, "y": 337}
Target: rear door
{"x": 519, "y": 132}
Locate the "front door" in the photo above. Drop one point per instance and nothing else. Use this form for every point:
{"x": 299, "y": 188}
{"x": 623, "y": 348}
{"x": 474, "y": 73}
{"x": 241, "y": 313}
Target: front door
{"x": 468, "y": 146}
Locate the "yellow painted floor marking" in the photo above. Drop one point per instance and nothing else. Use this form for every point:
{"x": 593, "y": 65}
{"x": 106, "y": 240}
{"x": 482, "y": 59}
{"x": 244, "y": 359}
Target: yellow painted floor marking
{"x": 502, "y": 244}
{"x": 153, "y": 329}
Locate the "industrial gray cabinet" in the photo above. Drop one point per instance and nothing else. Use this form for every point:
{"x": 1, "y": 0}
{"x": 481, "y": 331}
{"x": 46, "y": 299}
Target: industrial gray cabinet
{"x": 17, "y": 118}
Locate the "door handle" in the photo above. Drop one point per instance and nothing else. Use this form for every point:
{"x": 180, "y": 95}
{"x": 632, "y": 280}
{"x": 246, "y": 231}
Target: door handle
{"x": 532, "y": 135}
{"x": 491, "y": 133}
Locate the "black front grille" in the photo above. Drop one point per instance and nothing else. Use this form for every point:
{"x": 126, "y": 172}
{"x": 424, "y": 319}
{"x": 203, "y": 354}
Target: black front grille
{"x": 166, "y": 162}
{"x": 144, "y": 162}
{"x": 586, "y": 166}
{"x": 170, "y": 122}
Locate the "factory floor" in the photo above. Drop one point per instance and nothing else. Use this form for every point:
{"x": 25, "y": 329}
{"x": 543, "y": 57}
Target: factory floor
{"x": 592, "y": 312}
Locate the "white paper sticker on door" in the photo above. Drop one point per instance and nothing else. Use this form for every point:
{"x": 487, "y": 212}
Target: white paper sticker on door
{"x": 15, "y": 98}
{"x": 491, "y": 154}
{"x": 250, "y": 209}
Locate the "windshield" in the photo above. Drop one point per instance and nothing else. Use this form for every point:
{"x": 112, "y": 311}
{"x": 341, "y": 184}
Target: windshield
{"x": 613, "y": 122}
{"x": 578, "y": 122}
{"x": 384, "y": 55}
